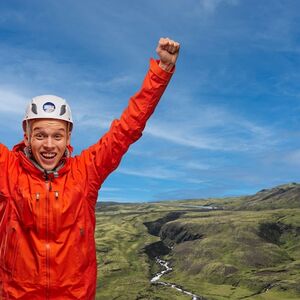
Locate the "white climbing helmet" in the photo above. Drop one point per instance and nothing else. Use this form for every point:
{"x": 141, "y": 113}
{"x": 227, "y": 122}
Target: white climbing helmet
{"x": 48, "y": 107}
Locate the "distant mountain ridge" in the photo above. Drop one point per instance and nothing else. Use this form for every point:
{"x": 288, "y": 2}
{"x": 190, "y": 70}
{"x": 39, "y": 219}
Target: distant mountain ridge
{"x": 281, "y": 196}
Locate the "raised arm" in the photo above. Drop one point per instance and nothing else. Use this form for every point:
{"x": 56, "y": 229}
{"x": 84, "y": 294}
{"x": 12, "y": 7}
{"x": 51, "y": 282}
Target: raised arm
{"x": 4, "y": 186}
{"x": 4, "y": 159}
{"x": 104, "y": 157}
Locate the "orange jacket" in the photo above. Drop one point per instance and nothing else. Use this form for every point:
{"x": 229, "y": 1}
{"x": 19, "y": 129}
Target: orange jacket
{"x": 47, "y": 247}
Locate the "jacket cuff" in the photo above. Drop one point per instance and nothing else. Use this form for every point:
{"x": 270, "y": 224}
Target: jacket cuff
{"x": 157, "y": 70}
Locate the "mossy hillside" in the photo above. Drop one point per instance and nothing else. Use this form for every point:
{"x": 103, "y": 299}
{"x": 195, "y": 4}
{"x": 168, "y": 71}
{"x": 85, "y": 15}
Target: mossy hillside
{"x": 123, "y": 267}
{"x": 232, "y": 252}
{"x": 216, "y": 269}
{"x": 234, "y": 256}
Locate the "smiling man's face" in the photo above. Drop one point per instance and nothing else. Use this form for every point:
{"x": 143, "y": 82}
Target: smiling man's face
{"x": 48, "y": 140}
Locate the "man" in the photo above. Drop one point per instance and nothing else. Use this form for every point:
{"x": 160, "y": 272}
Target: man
{"x": 47, "y": 197}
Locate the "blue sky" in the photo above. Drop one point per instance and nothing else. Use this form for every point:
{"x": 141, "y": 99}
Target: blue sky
{"x": 228, "y": 124}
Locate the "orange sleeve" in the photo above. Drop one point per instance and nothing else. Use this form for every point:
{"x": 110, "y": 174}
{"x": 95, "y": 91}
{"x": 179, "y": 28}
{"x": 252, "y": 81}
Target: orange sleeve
{"x": 4, "y": 186}
{"x": 4, "y": 161}
{"x": 105, "y": 156}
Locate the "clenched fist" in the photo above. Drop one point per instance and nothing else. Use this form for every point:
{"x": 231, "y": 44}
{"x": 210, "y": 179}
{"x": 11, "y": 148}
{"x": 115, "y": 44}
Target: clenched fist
{"x": 167, "y": 51}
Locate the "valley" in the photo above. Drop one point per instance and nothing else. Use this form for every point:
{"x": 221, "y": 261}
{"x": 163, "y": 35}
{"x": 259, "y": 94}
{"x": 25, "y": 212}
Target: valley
{"x": 234, "y": 248}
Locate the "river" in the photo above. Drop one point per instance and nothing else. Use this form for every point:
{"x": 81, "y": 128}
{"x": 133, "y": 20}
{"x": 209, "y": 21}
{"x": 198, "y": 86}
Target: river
{"x": 167, "y": 269}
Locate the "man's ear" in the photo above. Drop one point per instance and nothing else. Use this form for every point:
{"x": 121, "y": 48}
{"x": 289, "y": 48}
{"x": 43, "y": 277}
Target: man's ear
{"x": 26, "y": 140}
{"x": 69, "y": 138}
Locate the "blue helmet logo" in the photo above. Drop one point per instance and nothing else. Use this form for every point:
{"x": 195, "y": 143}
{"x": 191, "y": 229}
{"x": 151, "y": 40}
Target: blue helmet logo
{"x": 49, "y": 107}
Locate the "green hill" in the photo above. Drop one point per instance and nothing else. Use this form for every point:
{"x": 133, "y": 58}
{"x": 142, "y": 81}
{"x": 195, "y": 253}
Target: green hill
{"x": 282, "y": 196}
{"x": 248, "y": 248}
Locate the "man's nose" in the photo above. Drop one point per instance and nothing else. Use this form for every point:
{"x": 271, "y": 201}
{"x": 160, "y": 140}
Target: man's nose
{"x": 49, "y": 142}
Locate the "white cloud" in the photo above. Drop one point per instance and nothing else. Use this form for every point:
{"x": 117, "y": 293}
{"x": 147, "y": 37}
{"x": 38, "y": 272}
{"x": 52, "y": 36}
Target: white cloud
{"x": 293, "y": 157}
{"x": 173, "y": 173}
{"x": 11, "y": 101}
{"x": 195, "y": 165}
{"x": 196, "y": 181}
{"x": 92, "y": 121}
{"x": 116, "y": 83}
{"x": 110, "y": 189}
{"x": 227, "y": 133}
{"x": 156, "y": 172}
{"x": 170, "y": 133}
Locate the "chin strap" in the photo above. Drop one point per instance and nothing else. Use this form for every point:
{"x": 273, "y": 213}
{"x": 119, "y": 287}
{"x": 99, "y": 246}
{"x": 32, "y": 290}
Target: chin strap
{"x": 28, "y": 131}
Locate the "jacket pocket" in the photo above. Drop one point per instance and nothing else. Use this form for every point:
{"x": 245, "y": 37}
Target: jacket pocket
{"x": 9, "y": 249}
{"x": 81, "y": 245}
{"x": 30, "y": 207}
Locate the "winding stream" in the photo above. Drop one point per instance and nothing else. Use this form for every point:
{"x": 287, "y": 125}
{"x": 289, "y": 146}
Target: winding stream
{"x": 167, "y": 269}
{"x": 159, "y": 249}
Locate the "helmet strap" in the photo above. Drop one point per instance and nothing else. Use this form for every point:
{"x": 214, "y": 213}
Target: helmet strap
{"x": 28, "y": 132}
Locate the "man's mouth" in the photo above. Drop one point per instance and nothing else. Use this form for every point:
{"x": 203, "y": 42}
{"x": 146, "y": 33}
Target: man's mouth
{"x": 47, "y": 155}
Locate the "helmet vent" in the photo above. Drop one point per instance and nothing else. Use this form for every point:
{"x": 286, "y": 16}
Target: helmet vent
{"x": 62, "y": 110}
{"x": 34, "y": 108}
{"x": 49, "y": 107}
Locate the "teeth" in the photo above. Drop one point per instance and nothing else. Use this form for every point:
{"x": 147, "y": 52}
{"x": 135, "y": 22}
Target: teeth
{"x": 48, "y": 155}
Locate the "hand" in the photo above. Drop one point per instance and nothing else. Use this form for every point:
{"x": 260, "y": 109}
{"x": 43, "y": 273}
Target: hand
{"x": 168, "y": 51}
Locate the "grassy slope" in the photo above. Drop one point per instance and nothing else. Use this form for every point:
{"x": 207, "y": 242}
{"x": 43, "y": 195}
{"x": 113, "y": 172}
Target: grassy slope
{"x": 230, "y": 262}
{"x": 123, "y": 268}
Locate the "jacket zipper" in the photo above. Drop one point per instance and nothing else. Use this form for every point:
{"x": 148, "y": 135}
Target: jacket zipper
{"x": 56, "y": 223}
{"x": 47, "y": 242}
{"x": 38, "y": 217}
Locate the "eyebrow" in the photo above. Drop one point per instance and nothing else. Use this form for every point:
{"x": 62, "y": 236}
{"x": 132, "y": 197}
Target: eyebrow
{"x": 40, "y": 128}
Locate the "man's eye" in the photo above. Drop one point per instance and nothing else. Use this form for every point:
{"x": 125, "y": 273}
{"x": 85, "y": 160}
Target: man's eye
{"x": 58, "y": 136}
{"x": 39, "y": 136}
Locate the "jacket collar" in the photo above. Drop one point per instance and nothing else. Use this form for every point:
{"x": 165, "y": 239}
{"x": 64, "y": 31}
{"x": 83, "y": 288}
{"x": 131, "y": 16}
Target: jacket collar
{"x": 33, "y": 167}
